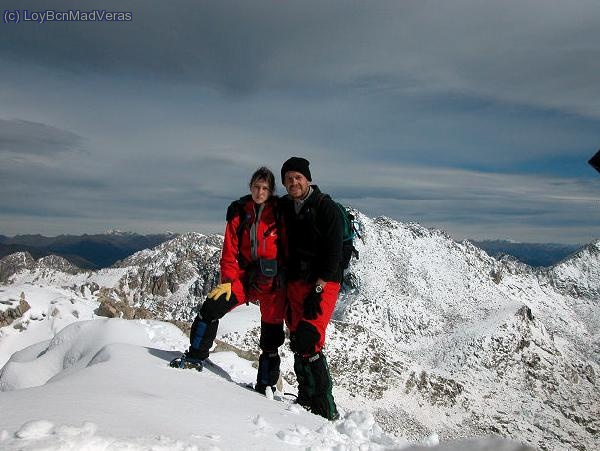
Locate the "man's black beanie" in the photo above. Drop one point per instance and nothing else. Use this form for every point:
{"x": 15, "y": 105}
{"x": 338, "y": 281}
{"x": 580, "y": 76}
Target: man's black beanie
{"x": 296, "y": 164}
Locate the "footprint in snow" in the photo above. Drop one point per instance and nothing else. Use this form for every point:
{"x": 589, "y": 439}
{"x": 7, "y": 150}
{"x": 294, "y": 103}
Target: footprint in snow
{"x": 35, "y": 429}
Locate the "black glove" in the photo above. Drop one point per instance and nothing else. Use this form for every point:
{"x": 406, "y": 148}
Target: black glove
{"x": 312, "y": 305}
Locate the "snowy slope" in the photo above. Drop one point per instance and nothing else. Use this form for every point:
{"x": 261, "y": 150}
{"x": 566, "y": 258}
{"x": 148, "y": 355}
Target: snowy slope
{"x": 481, "y": 345}
{"x": 105, "y": 384}
{"x": 52, "y": 308}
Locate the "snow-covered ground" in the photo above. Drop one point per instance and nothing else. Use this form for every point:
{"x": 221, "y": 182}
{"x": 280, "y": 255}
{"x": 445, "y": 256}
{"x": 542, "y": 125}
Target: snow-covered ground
{"x": 52, "y": 308}
{"x": 104, "y": 384}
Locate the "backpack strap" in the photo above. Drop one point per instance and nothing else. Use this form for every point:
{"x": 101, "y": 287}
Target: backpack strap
{"x": 237, "y": 208}
{"x": 320, "y": 198}
{"x": 279, "y": 227}
{"x": 314, "y": 213}
{"x": 279, "y": 280}
{"x": 319, "y": 201}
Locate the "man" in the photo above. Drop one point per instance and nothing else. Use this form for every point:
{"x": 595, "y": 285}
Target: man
{"x": 314, "y": 228}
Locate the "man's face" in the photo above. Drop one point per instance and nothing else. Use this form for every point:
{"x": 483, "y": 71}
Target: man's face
{"x": 296, "y": 185}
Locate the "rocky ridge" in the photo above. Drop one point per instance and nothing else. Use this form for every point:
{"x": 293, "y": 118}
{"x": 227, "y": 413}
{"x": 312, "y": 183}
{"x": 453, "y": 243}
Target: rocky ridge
{"x": 172, "y": 278}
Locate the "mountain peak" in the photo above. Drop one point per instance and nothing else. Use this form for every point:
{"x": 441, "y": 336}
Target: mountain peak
{"x": 116, "y": 232}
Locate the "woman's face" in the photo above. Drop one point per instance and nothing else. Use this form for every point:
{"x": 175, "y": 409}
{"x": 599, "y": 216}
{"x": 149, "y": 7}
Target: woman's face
{"x": 260, "y": 191}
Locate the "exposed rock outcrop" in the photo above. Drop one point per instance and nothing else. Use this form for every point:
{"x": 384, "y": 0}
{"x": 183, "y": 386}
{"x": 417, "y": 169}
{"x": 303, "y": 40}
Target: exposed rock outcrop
{"x": 57, "y": 263}
{"x": 118, "y": 309}
{"x": 15, "y": 310}
{"x": 13, "y": 263}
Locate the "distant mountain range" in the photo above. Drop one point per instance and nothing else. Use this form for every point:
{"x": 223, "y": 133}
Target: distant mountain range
{"x": 103, "y": 250}
{"x": 85, "y": 251}
{"x": 533, "y": 254}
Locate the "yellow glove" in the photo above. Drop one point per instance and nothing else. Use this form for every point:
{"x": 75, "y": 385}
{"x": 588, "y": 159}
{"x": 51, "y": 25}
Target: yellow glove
{"x": 219, "y": 290}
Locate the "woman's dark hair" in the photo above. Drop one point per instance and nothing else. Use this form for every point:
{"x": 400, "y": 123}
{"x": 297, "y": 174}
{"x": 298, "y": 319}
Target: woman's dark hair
{"x": 265, "y": 174}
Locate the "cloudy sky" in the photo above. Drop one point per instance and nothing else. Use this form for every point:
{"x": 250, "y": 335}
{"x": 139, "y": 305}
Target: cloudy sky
{"x": 474, "y": 117}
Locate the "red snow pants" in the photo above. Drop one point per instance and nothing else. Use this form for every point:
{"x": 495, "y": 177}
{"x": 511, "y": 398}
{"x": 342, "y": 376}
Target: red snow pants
{"x": 308, "y": 335}
{"x": 271, "y": 301}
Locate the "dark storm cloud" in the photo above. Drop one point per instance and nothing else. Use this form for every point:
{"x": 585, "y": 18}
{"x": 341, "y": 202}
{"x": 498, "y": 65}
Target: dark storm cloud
{"x": 38, "y": 192}
{"x": 25, "y": 137}
{"x": 528, "y": 52}
{"x": 225, "y": 44}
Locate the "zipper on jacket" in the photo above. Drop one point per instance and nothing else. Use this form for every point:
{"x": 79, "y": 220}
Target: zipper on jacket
{"x": 254, "y": 232}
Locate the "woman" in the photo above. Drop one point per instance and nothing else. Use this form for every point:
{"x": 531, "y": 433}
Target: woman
{"x": 250, "y": 271}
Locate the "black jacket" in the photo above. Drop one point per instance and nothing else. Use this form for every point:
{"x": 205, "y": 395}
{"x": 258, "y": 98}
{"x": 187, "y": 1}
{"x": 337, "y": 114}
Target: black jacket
{"x": 314, "y": 238}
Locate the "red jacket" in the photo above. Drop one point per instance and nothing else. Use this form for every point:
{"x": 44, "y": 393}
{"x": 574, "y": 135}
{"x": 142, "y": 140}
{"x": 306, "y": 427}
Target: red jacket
{"x": 259, "y": 237}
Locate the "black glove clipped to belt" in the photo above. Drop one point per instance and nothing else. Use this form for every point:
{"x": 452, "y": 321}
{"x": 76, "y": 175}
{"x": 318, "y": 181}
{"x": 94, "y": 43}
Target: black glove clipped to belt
{"x": 312, "y": 305}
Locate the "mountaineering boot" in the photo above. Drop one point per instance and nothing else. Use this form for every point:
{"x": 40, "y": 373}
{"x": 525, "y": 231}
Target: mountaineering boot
{"x": 202, "y": 337}
{"x": 305, "y": 386}
{"x": 268, "y": 372}
{"x": 314, "y": 385}
{"x": 187, "y": 362}
{"x": 204, "y": 329}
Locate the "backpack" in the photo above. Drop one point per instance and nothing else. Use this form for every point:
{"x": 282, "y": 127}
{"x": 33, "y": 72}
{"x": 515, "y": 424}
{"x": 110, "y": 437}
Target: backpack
{"x": 350, "y": 231}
